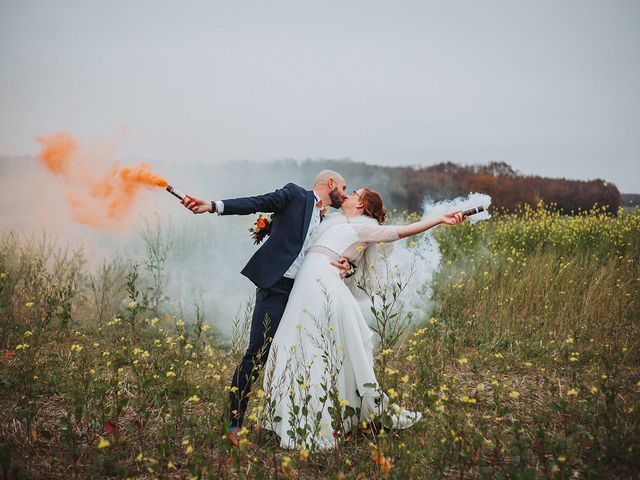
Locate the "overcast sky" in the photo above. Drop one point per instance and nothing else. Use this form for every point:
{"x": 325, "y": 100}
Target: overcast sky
{"x": 551, "y": 87}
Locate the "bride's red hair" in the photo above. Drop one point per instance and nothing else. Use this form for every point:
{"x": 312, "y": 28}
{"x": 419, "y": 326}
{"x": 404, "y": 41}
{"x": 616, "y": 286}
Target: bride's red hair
{"x": 372, "y": 205}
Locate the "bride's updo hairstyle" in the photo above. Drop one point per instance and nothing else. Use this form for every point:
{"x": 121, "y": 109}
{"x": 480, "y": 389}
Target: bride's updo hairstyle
{"x": 372, "y": 205}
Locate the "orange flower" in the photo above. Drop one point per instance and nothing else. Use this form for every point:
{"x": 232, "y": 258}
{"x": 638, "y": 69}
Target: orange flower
{"x": 8, "y": 354}
{"x": 261, "y": 223}
{"x": 383, "y": 462}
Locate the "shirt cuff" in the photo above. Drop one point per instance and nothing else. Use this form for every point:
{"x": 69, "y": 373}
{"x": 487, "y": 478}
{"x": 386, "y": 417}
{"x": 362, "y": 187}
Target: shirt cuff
{"x": 219, "y": 206}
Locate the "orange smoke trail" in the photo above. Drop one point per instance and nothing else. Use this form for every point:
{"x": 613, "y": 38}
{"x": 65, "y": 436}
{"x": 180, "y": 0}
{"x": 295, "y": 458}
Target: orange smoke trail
{"x": 57, "y": 150}
{"x": 100, "y": 203}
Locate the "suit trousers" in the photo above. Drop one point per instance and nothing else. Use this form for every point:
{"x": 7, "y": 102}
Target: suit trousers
{"x": 269, "y": 307}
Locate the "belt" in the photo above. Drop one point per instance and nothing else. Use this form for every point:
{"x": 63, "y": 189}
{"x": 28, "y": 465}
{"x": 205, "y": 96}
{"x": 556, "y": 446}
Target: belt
{"x": 325, "y": 251}
{"x": 285, "y": 282}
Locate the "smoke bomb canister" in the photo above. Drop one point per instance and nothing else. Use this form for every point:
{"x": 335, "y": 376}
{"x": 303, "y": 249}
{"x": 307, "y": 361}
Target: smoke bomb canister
{"x": 472, "y": 211}
{"x": 174, "y": 192}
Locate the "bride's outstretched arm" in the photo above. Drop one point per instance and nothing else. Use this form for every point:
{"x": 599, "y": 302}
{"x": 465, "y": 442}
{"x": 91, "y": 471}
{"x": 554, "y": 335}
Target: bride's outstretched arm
{"x": 424, "y": 225}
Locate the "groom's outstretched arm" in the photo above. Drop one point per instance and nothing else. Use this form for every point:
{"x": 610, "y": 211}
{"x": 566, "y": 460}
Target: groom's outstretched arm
{"x": 269, "y": 202}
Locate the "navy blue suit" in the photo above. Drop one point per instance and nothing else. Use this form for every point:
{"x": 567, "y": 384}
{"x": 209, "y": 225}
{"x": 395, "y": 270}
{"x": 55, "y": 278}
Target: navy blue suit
{"x": 292, "y": 207}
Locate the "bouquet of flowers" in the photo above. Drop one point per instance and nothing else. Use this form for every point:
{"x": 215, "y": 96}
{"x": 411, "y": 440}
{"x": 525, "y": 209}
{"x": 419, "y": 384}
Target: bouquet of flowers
{"x": 261, "y": 228}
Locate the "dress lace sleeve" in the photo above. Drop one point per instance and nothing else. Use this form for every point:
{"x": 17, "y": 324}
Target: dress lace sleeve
{"x": 373, "y": 233}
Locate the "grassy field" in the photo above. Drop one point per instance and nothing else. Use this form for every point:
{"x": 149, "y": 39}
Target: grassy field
{"x": 527, "y": 367}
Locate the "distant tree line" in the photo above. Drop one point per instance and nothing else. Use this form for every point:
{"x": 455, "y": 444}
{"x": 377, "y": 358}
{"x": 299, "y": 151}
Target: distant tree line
{"x": 406, "y": 188}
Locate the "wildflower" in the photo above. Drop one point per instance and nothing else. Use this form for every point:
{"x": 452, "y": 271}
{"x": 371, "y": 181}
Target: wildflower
{"x": 432, "y": 321}
{"x": 286, "y": 460}
{"x": 593, "y": 390}
{"x": 76, "y": 348}
{"x": 569, "y": 341}
{"x": 189, "y": 450}
{"x": 467, "y": 399}
{"x": 304, "y": 454}
{"x": 188, "y": 346}
{"x": 405, "y": 379}
{"x": 498, "y": 355}
{"x": 132, "y": 304}
{"x": 386, "y": 351}
{"x": 383, "y": 462}
{"x": 562, "y": 458}
{"x": 392, "y": 393}
{"x": 514, "y": 394}
{"x": 463, "y": 361}
{"x": 171, "y": 373}
{"x": 298, "y": 326}
{"x": 344, "y": 403}
{"x": 180, "y": 323}
{"x": 22, "y": 346}
{"x": 193, "y": 398}
{"x": 205, "y": 328}
{"x": 412, "y": 244}
{"x": 104, "y": 443}
{"x": 29, "y": 304}
{"x": 360, "y": 248}
{"x": 572, "y": 392}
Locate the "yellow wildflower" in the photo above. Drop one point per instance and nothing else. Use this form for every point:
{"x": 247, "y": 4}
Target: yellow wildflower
{"x": 104, "y": 443}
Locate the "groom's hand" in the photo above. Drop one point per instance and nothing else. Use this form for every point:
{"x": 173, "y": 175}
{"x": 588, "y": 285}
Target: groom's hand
{"x": 344, "y": 266}
{"x": 196, "y": 205}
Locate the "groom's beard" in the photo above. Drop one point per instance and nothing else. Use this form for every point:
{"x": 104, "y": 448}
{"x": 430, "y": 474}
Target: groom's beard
{"x": 336, "y": 198}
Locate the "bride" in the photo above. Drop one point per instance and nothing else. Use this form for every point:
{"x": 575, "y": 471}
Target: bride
{"x": 319, "y": 377}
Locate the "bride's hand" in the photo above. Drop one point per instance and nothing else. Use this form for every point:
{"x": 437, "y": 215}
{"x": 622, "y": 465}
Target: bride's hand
{"x": 452, "y": 218}
{"x": 343, "y": 265}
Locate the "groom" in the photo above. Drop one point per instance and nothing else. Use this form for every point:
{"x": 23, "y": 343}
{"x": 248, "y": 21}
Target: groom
{"x": 274, "y": 266}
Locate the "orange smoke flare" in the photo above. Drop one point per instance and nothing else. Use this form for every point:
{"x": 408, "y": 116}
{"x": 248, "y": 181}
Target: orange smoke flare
{"x": 98, "y": 202}
{"x": 57, "y": 150}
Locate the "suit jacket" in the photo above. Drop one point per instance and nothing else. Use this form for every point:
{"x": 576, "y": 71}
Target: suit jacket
{"x": 292, "y": 207}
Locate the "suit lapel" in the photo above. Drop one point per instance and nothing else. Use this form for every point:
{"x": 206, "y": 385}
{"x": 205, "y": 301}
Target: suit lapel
{"x": 308, "y": 210}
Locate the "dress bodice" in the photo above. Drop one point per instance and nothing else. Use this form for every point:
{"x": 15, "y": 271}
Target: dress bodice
{"x": 348, "y": 237}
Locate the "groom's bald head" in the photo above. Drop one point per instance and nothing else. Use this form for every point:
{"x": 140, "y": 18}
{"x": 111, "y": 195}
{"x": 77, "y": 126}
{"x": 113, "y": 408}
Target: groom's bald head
{"x": 330, "y": 186}
{"x": 325, "y": 175}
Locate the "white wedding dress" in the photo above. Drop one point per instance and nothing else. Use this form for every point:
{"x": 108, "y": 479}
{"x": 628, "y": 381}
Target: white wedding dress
{"x": 320, "y": 363}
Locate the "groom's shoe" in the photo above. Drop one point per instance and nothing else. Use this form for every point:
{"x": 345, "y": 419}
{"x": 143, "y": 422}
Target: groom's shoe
{"x": 233, "y": 436}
